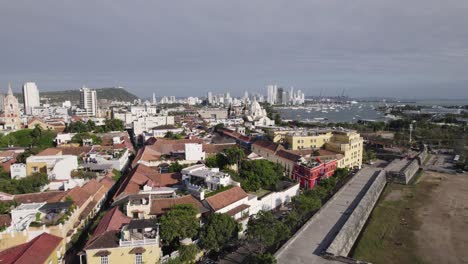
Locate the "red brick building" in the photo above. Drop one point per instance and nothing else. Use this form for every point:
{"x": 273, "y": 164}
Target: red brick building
{"x": 309, "y": 173}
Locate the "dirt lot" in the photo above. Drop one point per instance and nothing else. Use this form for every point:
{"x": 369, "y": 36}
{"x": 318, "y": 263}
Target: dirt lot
{"x": 443, "y": 235}
{"x": 426, "y": 222}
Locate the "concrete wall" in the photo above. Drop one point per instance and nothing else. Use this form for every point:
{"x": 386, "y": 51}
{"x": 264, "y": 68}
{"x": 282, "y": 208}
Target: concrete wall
{"x": 344, "y": 241}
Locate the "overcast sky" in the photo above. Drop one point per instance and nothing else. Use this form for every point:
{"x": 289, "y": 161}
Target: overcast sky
{"x": 399, "y": 48}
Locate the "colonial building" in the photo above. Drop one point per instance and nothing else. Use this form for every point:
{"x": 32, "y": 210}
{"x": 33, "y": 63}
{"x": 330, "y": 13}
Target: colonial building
{"x": 309, "y": 173}
{"x": 11, "y": 112}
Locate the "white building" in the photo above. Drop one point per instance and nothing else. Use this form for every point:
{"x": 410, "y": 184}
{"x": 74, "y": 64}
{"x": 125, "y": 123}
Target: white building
{"x": 161, "y": 131}
{"x": 64, "y": 138}
{"x": 30, "y": 97}
{"x": 194, "y": 152}
{"x": 24, "y": 214}
{"x": 145, "y": 124}
{"x": 59, "y": 167}
{"x": 18, "y": 170}
{"x": 143, "y": 110}
{"x": 201, "y": 177}
{"x": 88, "y": 101}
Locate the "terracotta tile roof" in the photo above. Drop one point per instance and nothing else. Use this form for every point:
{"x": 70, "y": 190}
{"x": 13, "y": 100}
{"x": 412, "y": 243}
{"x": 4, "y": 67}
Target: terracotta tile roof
{"x": 89, "y": 190}
{"x": 108, "y": 239}
{"x": 161, "y": 205}
{"x": 37, "y": 250}
{"x": 237, "y": 209}
{"x": 288, "y": 155}
{"x": 79, "y": 196}
{"x": 143, "y": 174}
{"x": 50, "y": 152}
{"x": 88, "y": 209}
{"x": 114, "y": 219}
{"x": 49, "y": 197}
{"x": 108, "y": 182}
{"x": 5, "y": 220}
{"x": 267, "y": 145}
{"x": 216, "y": 148}
{"x": 223, "y": 199}
{"x": 164, "y": 127}
{"x": 77, "y": 151}
{"x": 92, "y": 187}
{"x": 236, "y": 135}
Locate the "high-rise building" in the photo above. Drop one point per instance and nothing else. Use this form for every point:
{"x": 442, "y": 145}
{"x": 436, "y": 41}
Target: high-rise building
{"x": 279, "y": 95}
{"x": 88, "y": 101}
{"x": 154, "y": 99}
{"x": 30, "y": 97}
{"x": 210, "y": 98}
{"x": 271, "y": 94}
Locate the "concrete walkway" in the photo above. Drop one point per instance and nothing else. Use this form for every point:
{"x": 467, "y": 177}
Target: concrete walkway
{"x": 317, "y": 234}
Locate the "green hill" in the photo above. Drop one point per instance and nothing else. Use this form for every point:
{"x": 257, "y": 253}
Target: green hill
{"x": 119, "y": 94}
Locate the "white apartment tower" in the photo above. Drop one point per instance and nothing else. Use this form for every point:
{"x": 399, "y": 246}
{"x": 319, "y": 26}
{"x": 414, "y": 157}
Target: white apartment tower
{"x": 30, "y": 97}
{"x": 272, "y": 91}
{"x": 88, "y": 101}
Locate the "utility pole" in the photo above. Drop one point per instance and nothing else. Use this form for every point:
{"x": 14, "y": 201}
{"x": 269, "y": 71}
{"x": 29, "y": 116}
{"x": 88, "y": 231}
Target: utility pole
{"x": 411, "y": 130}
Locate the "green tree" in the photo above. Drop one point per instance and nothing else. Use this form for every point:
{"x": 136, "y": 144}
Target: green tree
{"x": 234, "y": 155}
{"x": 176, "y": 167}
{"x": 178, "y": 223}
{"x": 218, "y": 127}
{"x": 90, "y": 125}
{"x": 187, "y": 254}
{"x": 218, "y": 231}
{"x": 216, "y": 161}
{"x": 265, "y": 258}
{"x": 78, "y": 138}
{"x": 29, "y": 184}
{"x": 265, "y": 230}
{"x": 304, "y": 205}
{"x": 256, "y": 174}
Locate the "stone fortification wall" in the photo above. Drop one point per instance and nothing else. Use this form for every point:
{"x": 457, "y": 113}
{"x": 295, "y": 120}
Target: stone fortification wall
{"x": 344, "y": 241}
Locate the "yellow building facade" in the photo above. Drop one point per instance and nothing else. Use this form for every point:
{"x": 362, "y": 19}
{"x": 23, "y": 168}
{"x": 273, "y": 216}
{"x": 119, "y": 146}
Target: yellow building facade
{"x": 141, "y": 254}
{"x": 347, "y": 142}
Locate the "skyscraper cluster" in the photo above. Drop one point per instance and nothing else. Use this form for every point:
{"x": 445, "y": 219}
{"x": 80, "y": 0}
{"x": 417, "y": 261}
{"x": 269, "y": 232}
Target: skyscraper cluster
{"x": 220, "y": 99}
{"x": 279, "y": 95}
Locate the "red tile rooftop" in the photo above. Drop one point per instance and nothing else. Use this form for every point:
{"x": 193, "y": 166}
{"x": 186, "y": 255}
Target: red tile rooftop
{"x": 223, "y": 199}
{"x": 37, "y": 250}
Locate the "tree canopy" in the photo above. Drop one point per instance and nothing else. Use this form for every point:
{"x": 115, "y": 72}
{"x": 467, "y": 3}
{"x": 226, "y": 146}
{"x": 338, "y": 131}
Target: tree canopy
{"x": 256, "y": 174}
{"x": 78, "y": 138}
{"x": 218, "y": 231}
{"x": 265, "y": 230}
{"x": 90, "y": 126}
{"x": 28, "y": 184}
{"x": 178, "y": 223}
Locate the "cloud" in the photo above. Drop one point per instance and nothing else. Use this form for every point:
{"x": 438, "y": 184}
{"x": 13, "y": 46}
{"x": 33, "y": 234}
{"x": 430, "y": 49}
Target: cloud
{"x": 171, "y": 47}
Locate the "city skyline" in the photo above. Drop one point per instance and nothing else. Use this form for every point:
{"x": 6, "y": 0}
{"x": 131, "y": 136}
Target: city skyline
{"x": 399, "y": 49}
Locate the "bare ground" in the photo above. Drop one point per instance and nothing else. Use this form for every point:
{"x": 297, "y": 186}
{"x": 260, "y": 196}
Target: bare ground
{"x": 443, "y": 233}
{"x": 424, "y": 222}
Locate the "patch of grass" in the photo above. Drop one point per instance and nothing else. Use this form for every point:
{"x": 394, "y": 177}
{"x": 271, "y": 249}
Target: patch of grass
{"x": 389, "y": 236}
{"x": 261, "y": 192}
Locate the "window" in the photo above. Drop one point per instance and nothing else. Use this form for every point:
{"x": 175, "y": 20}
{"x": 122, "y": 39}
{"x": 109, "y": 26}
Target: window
{"x": 104, "y": 259}
{"x": 138, "y": 258}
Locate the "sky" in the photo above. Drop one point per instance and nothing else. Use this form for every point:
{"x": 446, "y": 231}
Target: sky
{"x": 385, "y": 48}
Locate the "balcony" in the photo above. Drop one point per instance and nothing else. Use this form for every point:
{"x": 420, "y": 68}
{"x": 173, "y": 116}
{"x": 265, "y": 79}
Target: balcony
{"x": 141, "y": 242}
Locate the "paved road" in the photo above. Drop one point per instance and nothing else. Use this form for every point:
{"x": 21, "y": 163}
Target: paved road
{"x": 317, "y": 234}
